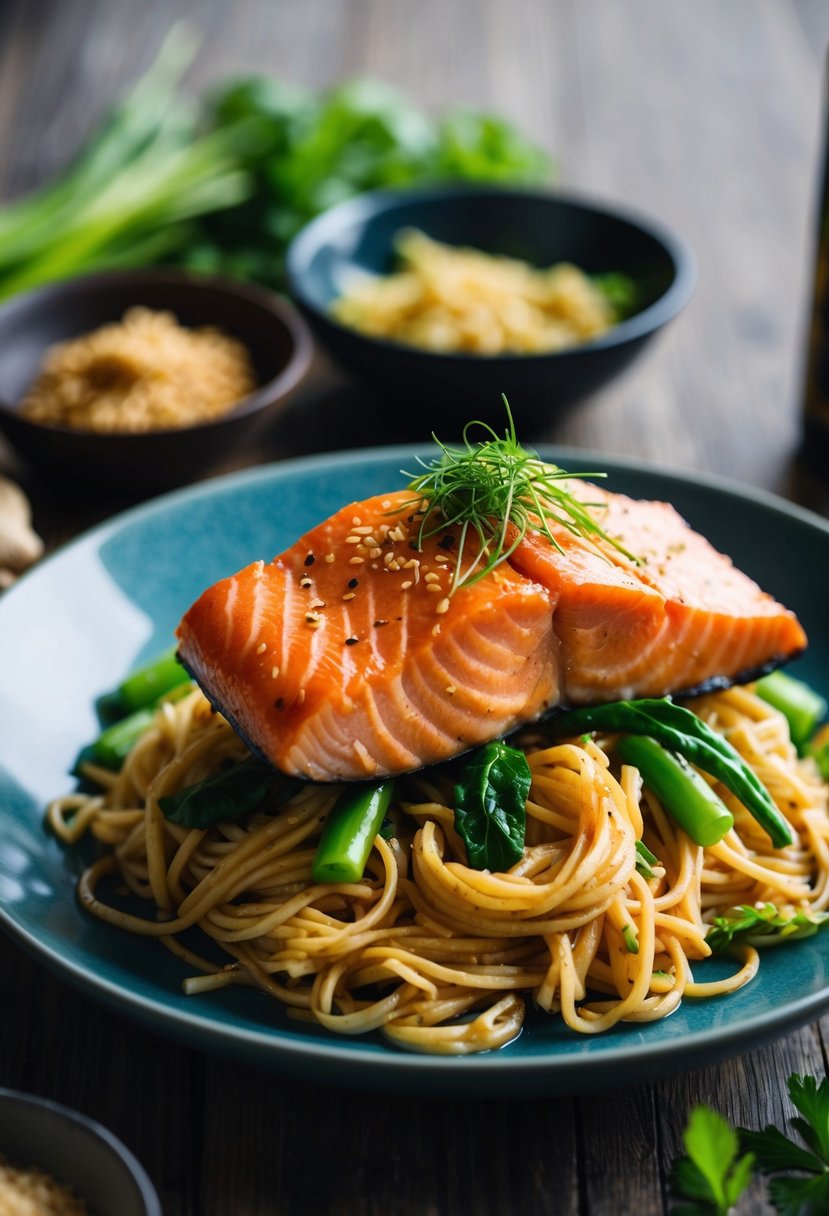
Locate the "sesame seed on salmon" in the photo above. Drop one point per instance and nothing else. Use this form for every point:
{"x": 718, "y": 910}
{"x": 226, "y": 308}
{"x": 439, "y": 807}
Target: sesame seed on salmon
{"x": 348, "y": 657}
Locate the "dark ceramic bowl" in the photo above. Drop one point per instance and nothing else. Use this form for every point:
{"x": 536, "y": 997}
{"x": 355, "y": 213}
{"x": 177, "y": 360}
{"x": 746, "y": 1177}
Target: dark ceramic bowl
{"x": 541, "y": 228}
{"x": 275, "y": 335}
{"x": 76, "y": 1152}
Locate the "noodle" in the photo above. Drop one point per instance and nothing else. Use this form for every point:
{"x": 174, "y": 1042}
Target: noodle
{"x": 436, "y": 956}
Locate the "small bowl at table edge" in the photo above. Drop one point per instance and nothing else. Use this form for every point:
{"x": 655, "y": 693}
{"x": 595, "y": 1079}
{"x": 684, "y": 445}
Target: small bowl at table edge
{"x": 76, "y": 1151}
{"x": 358, "y": 234}
{"x": 270, "y": 327}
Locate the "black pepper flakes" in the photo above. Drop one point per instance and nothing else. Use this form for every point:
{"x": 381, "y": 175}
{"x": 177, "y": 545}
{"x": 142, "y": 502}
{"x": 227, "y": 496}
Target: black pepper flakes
{"x": 447, "y": 541}
{"x": 279, "y": 703}
{"x": 310, "y": 559}
{"x": 353, "y": 582}
{"x": 351, "y": 641}
{"x": 377, "y": 624}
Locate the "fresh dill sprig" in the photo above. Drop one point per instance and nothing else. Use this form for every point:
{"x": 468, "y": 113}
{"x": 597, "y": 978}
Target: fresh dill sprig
{"x": 496, "y": 491}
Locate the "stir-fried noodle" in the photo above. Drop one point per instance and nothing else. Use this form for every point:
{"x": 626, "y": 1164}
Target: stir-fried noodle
{"x": 438, "y": 956}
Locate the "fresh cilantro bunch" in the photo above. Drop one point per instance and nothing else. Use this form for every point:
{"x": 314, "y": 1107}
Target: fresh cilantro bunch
{"x": 712, "y": 1176}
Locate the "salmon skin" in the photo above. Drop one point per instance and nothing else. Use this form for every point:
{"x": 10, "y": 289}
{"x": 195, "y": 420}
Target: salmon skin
{"x": 346, "y": 657}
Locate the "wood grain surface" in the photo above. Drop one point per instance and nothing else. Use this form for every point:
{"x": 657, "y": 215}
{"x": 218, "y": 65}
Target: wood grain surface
{"x": 707, "y": 115}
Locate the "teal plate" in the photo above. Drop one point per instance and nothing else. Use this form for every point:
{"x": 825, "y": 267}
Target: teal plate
{"x": 74, "y": 626}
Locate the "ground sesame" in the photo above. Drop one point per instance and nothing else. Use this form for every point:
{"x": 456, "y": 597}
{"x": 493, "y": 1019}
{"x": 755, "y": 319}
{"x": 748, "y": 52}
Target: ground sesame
{"x": 354, "y": 540}
{"x": 375, "y": 552}
{"x": 329, "y": 557}
{"x": 274, "y": 673}
{"x": 350, "y": 595}
{"x": 385, "y": 504}
{"x": 356, "y": 561}
{"x": 443, "y": 606}
{"x": 432, "y": 578}
{"x": 355, "y": 519}
{"x": 300, "y": 697}
{"x": 451, "y": 689}
{"x": 408, "y": 583}
{"x": 261, "y": 648}
{"x": 434, "y": 587}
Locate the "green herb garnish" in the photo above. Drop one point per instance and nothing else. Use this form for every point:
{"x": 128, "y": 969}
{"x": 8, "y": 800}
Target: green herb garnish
{"x": 497, "y": 491}
{"x": 760, "y": 926}
{"x": 710, "y": 1178}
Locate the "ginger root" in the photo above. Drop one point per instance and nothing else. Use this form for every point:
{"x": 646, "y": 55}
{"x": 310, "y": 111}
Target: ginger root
{"x": 20, "y": 545}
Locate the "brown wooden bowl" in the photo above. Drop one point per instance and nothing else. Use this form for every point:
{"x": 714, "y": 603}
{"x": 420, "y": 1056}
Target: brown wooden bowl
{"x": 277, "y": 338}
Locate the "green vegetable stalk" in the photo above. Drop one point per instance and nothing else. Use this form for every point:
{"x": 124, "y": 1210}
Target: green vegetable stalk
{"x": 680, "y": 731}
{"x": 680, "y": 789}
{"x": 148, "y": 683}
{"x": 803, "y": 708}
{"x": 350, "y": 831}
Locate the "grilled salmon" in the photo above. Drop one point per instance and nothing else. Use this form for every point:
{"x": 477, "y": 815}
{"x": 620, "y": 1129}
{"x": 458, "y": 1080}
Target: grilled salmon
{"x": 346, "y": 657}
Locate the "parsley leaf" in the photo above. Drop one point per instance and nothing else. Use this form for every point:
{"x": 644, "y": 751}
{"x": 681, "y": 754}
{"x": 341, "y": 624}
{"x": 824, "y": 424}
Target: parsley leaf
{"x": 711, "y": 1176}
{"x": 808, "y": 1194}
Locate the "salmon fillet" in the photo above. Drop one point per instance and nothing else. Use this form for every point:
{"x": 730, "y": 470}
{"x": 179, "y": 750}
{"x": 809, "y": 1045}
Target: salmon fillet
{"x": 345, "y": 657}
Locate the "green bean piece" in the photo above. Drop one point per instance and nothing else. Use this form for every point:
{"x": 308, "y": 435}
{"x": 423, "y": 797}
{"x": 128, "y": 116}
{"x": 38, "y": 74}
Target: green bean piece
{"x": 350, "y": 831}
{"x": 803, "y": 708}
{"x": 681, "y": 790}
{"x": 145, "y": 686}
{"x": 681, "y": 731}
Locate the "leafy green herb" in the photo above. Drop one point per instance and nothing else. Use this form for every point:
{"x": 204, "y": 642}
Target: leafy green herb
{"x": 645, "y": 860}
{"x": 228, "y": 795}
{"x": 681, "y": 731}
{"x": 711, "y": 1177}
{"x": 490, "y": 806}
{"x": 807, "y": 1195}
{"x": 761, "y": 926}
{"x": 224, "y": 184}
{"x": 622, "y": 293}
{"x": 321, "y": 148}
{"x": 496, "y": 491}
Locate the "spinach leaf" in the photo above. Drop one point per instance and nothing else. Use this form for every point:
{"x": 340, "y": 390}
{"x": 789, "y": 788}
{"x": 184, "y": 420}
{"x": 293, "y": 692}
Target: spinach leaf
{"x": 227, "y": 795}
{"x": 490, "y": 806}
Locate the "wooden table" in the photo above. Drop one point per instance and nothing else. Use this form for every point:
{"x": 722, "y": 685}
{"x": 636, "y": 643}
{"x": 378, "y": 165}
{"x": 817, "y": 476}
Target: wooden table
{"x": 705, "y": 114}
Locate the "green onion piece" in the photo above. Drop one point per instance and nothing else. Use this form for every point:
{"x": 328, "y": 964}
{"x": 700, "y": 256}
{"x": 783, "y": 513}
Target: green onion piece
{"x": 803, "y": 708}
{"x": 146, "y": 685}
{"x": 114, "y": 744}
{"x": 680, "y": 789}
{"x": 350, "y": 831}
{"x": 645, "y": 860}
{"x": 631, "y": 939}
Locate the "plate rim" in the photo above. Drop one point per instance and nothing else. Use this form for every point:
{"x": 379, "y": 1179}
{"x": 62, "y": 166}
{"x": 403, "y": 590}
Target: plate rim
{"x": 287, "y": 1053}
